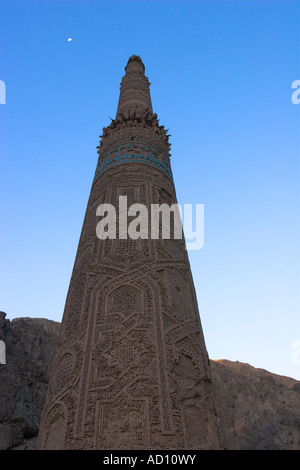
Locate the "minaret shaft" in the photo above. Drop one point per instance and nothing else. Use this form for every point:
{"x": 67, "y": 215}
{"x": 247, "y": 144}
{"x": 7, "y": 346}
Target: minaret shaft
{"x": 131, "y": 370}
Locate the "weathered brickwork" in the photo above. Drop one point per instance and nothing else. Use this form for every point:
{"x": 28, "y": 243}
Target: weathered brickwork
{"x": 131, "y": 369}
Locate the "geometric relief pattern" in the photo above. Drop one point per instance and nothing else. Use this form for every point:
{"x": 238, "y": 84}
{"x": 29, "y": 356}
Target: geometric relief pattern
{"x": 125, "y": 359}
{"x": 124, "y": 300}
{"x": 76, "y": 296}
{"x": 185, "y": 346}
{"x": 84, "y": 256}
{"x": 126, "y": 247}
{"x": 130, "y": 355}
{"x": 122, "y": 422}
{"x": 120, "y": 354}
{"x": 56, "y": 428}
{"x": 66, "y": 370}
{"x": 131, "y": 341}
{"x": 124, "y": 354}
{"x": 179, "y": 290}
{"x": 63, "y": 371}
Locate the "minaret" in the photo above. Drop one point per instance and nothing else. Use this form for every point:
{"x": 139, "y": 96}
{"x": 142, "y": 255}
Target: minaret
{"x": 131, "y": 370}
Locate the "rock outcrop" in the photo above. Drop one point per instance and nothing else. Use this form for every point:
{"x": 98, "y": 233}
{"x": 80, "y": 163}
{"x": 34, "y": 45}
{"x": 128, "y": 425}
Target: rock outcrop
{"x": 30, "y": 345}
{"x": 259, "y": 410}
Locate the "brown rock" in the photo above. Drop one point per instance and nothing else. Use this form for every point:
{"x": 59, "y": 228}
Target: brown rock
{"x": 30, "y": 345}
{"x": 259, "y": 410}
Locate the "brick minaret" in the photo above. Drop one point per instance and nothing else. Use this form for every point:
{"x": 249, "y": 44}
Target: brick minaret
{"x": 131, "y": 369}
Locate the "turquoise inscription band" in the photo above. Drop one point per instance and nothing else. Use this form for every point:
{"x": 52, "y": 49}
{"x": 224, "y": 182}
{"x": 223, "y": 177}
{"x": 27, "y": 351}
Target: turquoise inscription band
{"x": 150, "y": 159}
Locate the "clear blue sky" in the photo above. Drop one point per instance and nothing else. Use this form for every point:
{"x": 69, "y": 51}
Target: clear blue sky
{"x": 221, "y": 75}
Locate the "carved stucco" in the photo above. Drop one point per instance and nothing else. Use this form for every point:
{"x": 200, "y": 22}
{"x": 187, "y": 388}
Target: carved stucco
{"x": 131, "y": 369}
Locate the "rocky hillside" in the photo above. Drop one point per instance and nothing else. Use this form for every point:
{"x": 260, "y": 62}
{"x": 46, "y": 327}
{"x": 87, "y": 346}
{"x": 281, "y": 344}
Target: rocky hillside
{"x": 258, "y": 409}
{"x": 30, "y": 345}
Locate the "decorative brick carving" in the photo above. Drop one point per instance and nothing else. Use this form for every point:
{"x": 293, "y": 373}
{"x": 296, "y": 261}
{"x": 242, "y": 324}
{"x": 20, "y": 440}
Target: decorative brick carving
{"x": 55, "y": 424}
{"x": 131, "y": 338}
{"x": 124, "y": 300}
{"x": 122, "y": 424}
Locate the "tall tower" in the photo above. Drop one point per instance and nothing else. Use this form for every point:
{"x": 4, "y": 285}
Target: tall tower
{"x": 131, "y": 369}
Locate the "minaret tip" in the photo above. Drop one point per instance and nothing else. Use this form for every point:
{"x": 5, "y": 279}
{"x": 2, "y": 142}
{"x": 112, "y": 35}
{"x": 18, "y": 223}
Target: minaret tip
{"x": 134, "y": 93}
{"x": 137, "y": 58}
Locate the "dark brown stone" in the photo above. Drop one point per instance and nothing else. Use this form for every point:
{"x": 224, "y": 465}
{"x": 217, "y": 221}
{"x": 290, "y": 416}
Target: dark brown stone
{"x": 30, "y": 346}
{"x": 259, "y": 410}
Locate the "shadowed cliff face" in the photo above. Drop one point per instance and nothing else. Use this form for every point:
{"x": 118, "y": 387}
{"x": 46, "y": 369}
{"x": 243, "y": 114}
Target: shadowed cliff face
{"x": 30, "y": 345}
{"x": 258, "y": 409}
